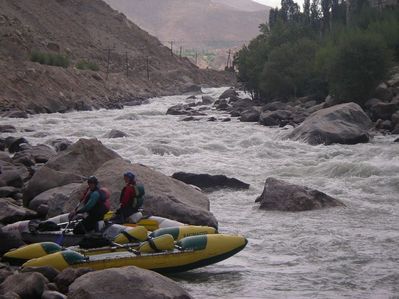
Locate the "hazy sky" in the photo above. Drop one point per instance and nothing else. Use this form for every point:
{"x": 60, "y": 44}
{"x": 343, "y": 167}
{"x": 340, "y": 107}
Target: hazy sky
{"x": 274, "y": 3}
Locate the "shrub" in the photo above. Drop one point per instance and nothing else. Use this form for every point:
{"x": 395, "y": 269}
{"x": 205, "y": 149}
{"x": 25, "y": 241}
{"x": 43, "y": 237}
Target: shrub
{"x": 359, "y": 63}
{"x": 87, "y": 65}
{"x": 49, "y": 59}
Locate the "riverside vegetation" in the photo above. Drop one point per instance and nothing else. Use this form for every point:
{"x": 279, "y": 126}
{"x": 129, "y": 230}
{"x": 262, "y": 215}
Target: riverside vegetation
{"x": 328, "y": 48}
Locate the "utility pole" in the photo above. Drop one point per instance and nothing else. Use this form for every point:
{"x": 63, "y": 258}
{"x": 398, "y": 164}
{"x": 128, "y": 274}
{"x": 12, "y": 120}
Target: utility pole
{"x": 171, "y": 47}
{"x": 148, "y": 68}
{"x": 181, "y": 48}
{"x": 127, "y": 66}
{"x": 228, "y": 59}
{"x": 108, "y": 60}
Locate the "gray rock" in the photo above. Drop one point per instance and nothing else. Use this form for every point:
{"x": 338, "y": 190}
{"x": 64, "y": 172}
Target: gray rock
{"x": 49, "y": 272}
{"x": 15, "y": 114}
{"x": 10, "y": 295}
{"x": 9, "y": 241}
{"x": 207, "y": 181}
{"x": 26, "y": 285}
{"x": 68, "y": 276}
{"x": 229, "y": 93}
{"x": 345, "y": 124}
{"x": 7, "y": 129}
{"x": 10, "y": 212}
{"x": 179, "y": 109}
{"x": 60, "y": 144}
{"x": 13, "y": 175}
{"x": 165, "y": 196}
{"x": 147, "y": 284}
{"x": 383, "y": 93}
{"x": 4, "y": 273}
{"x": 115, "y": 134}
{"x": 251, "y": 115}
{"x": 53, "y": 295}
{"x": 283, "y": 196}
{"x": 207, "y": 100}
{"x": 8, "y": 191}
{"x": 16, "y": 145}
{"x": 381, "y": 110}
{"x": 275, "y": 118}
{"x": 45, "y": 179}
{"x": 55, "y": 199}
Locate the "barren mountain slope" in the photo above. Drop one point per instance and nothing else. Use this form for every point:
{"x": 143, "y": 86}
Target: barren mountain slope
{"x": 84, "y": 30}
{"x": 197, "y": 23}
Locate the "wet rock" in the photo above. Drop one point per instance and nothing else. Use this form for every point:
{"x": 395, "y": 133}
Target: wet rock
{"x": 16, "y": 146}
{"x": 60, "y": 144}
{"x": 345, "y": 124}
{"x": 251, "y": 115}
{"x": 26, "y": 285}
{"x": 179, "y": 109}
{"x": 49, "y": 272}
{"x": 68, "y": 276}
{"x": 147, "y": 284}
{"x": 24, "y": 157}
{"x": 207, "y": 100}
{"x": 115, "y": 134}
{"x": 10, "y": 212}
{"x": 226, "y": 119}
{"x": 2, "y": 145}
{"x": 190, "y": 118}
{"x": 7, "y": 129}
{"x": 275, "y": 118}
{"x": 15, "y": 114}
{"x": 207, "y": 181}
{"x": 222, "y": 104}
{"x": 283, "y": 196}
{"x": 229, "y": 93}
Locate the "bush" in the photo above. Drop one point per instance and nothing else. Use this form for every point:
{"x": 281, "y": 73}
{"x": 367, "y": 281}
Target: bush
{"x": 359, "y": 63}
{"x": 289, "y": 70}
{"x": 49, "y": 59}
{"x": 87, "y": 65}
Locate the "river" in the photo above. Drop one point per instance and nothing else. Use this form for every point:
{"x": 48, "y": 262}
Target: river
{"x": 346, "y": 252}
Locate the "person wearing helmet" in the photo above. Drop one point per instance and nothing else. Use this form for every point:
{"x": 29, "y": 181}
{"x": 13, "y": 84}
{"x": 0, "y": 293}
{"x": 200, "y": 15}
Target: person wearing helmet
{"x": 131, "y": 198}
{"x": 93, "y": 204}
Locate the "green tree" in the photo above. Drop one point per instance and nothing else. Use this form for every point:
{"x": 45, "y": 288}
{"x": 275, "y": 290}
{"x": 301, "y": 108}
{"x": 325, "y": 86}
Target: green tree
{"x": 358, "y": 64}
{"x": 289, "y": 70}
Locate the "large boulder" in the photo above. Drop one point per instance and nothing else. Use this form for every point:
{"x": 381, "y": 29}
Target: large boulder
{"x": 26, "y": 285}
{"x": 83, "y": 157}
{"x": 164, "y": 197}
{"x": 10, "y": 212}
{"x": 9, "y": 241}
{"x": 45, "y": 179}
{"x": 64, "y": 279}
{"x": 13, "y": 175}
{"x": 345, "y": 123}
{"x": 275, "y": 118}
{"x": 49, "y": 272}
{"x": 126, "y": 282}
{"x": 54, "y": 198}
{"x": 207, "y": 181}
{"x": 283, "y": 196}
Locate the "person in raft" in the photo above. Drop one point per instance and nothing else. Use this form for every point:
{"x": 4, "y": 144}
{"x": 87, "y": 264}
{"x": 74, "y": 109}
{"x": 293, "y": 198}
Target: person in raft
{"x": 94, "y": 205}
{"x": 131, "y": 199}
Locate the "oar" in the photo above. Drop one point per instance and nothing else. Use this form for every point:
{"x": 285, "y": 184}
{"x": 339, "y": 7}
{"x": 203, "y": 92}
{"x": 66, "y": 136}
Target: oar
{"x": 127, "y": 247}
{"x": 60, "y": 238}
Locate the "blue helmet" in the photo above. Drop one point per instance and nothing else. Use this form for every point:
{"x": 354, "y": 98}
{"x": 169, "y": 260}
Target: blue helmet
{"x": 129, "y": 175}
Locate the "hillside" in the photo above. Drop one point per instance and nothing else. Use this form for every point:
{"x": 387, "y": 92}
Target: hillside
{"x": 91, "y": 31}
{"x": 213, "y": 24}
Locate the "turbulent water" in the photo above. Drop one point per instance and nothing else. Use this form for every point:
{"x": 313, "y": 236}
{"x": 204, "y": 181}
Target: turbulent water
{"x": 348, "y": 252}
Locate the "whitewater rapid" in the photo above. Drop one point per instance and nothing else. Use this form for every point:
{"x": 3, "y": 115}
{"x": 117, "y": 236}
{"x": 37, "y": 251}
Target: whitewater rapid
{"x": 348, "y": 252}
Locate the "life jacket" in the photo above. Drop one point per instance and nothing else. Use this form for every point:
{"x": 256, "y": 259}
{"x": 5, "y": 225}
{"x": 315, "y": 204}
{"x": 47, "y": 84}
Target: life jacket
{"x": 105, "y": 196}
{"x": 138, "y": 200}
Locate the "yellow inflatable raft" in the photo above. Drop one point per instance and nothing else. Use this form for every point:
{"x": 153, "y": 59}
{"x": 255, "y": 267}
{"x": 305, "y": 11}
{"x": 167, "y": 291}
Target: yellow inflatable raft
{"x": 188, "y": 253}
